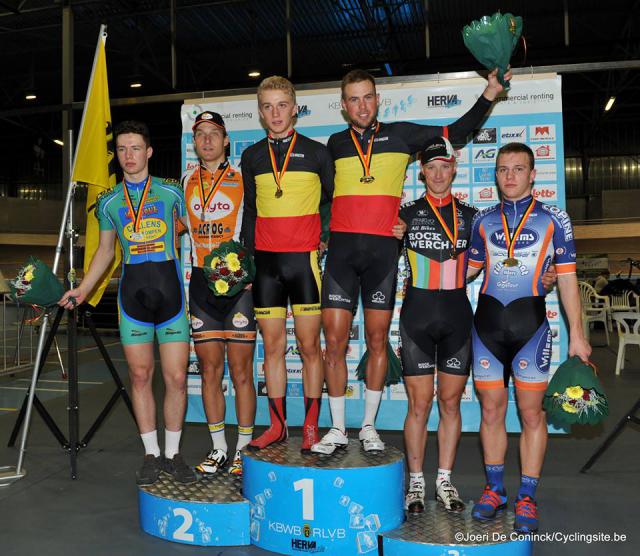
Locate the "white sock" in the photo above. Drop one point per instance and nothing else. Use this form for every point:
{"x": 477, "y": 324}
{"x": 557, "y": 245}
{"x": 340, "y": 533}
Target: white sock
{"x": 443, "y": 475}
{"x": 216, "y": 430}
{"x": 171, "y": 443}
{"x": 150, "y": 441}
{"x": 336, "y": 404}
{"x": 415, "y": 479}
{"x": 371, "y": 403}
{"x": 244, "y": 436}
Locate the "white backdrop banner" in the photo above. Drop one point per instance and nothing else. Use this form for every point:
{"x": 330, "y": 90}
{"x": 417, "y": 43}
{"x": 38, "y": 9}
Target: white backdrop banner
{"x": 531, "y": 113}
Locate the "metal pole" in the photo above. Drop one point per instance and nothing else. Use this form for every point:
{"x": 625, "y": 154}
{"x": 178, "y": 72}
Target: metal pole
{"x": 427, "y": 38}
{"x": 174, "y": 61}
{"x": 289, "y": 50}
{"x": 7, "y": 475}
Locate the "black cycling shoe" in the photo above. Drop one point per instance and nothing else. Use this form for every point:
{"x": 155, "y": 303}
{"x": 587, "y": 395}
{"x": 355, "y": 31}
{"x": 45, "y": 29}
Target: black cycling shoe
{"x": 150, "y": 470}
{"x": 179, "y": 470}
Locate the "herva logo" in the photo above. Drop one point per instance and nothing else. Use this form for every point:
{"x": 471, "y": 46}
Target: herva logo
{"x": 485, "y": 135}
{"x": 542, "y": 132}
{"x": 484, "y": 155}
{"x": 443, "y": 101}
{"x": 527, "y": 238}
{"x": 303, "y": 110}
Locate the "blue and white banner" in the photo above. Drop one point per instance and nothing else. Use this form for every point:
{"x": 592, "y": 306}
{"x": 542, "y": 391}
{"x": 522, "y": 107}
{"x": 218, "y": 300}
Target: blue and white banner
{"x": 530, "y": 113}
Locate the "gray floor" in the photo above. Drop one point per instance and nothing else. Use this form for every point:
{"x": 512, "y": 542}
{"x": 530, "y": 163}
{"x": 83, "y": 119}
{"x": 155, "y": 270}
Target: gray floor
{"x": 97, "y": 513}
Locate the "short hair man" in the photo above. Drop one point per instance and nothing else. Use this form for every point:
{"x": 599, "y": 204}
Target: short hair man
{"x": 371, "y": 160}
{"x": 287, "y": 177}
{"x": 214, "y": 195}
{"x": 139, "y": 211}
{"x": 516, "y": 241}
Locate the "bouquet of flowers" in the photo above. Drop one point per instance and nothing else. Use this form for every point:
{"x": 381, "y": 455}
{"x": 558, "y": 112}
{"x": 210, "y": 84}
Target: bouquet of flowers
{"x": 36, "y": 284}
{"x": 575, "y": 395}
{"x": 492, "y": 40}
{"x": 229, "y": 268}
{"x": 394, "y": 368}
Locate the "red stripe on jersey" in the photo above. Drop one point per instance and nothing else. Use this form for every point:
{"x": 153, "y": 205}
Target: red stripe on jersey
{"x": 365, "y": 214}
{"x": 288, "y": 233}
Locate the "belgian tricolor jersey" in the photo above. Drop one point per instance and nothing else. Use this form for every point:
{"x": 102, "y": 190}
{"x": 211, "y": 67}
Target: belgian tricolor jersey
{"x": 282, "y": 211}
{"x": 214, "y": 208}
{"x": 366, "y": 206}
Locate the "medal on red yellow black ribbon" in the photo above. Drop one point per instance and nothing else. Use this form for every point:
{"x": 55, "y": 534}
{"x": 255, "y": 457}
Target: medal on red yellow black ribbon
{"x": 136, "y": 214}
{"x": 205, "y": 199}
{"x": 278, "y": 175}
{"x": 511, "y": 239}
{"x": 365, "y": 159}
{"x": 453, "y": 237}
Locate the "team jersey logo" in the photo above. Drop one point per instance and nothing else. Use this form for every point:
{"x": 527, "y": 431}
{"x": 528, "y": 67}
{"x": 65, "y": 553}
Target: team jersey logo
{"x": 527, "y": 238}
{"x": 240, "y": 320}
{"x": 219, "y": 207}
{"x": 149, "y": 229}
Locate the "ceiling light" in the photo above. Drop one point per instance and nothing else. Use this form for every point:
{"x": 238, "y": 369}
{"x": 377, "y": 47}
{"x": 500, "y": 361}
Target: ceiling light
{"x": 30, "y": 96}
{"x": 59, "y": 142}
{"x": 609, "y": 104}
{"x": 135, "y": 85}
{"x": 254, "y": 73}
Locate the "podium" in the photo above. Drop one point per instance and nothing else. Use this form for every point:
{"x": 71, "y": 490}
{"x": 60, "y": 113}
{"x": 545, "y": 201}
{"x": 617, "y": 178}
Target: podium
{"x": 334, "y": 504}
{"x": 437, "y": 532}
{"x": 211, "y": 512}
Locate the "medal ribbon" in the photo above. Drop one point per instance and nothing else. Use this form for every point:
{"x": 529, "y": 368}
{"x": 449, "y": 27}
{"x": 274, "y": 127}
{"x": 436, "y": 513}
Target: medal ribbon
{"x": 453, "y": 237}
{"x": 206, "y": 199}
{"x": 136, "y": 215}
{"x": 510, "y": 239}
{"x": 279, "y": 175}
{"x": 365, "y": 159}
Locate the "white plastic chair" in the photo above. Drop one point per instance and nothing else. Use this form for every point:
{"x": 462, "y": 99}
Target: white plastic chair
{"x": 634, "y": 301}
{"x": 628, "y": 324}
{"x": 595, "y": 308}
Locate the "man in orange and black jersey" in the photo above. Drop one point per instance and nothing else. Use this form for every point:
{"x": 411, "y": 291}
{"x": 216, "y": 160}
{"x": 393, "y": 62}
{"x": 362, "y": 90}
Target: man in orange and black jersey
{"x": 287, "y": 178}
{"x": 371, "y": 160}
{"x": 214, "y": 196}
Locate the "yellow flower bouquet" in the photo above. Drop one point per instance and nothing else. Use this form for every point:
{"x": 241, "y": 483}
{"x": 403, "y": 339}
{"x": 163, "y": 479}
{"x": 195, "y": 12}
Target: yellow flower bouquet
{"x": 229, "y": 268}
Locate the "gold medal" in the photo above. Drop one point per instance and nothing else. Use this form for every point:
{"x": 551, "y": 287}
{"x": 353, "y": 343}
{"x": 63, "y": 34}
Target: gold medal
{"x": 278, "y": 175}
{"x": 365, "y": 159}
{"x": 511, "y": 239}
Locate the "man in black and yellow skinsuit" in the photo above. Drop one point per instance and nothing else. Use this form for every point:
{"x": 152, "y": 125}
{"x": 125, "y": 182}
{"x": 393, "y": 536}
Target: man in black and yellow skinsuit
{"x": 287, "y": 177}
{"x": 371, "y": 161}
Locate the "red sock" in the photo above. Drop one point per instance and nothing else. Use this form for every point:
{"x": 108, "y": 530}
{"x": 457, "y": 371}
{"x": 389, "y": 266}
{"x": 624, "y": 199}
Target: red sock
{"x": 277, "y": 432}
{"x": 310, "y": 434}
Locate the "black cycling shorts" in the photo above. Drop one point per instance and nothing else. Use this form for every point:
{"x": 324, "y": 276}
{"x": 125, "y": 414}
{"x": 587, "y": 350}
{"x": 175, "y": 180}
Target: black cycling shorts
{"x": 286, "y": 276}
{"x": 363, "y": 262}
{"x": 435, "y": 332}
{"x": 219, "y": 318}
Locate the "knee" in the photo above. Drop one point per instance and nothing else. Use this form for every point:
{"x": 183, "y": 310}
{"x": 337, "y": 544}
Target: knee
{"x": 449, "y": 406}
{"x": 309, "y": 349}
{"x": 176, "y": 380}
{"x": 140, "y": 376}
{"x": 492, "y": 413}
{"x": 335, "y": 348}
{"x": 211, "y": 373}
{"x": 532, "y": 418}
{"x": 275, "y": 347}
{"x": 241, "y": 374}
{"x": 420, "y": 409}
{"x": 377, "y": 342}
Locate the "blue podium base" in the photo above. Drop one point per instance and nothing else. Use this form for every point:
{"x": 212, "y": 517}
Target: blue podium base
{"x": 436, "y": 532}
{"x": 331, "y": 504}
{"x": 211, "y": 512}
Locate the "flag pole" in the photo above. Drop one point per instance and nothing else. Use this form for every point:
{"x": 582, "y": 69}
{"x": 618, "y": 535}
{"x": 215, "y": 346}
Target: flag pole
{"x": 9, "y": 475}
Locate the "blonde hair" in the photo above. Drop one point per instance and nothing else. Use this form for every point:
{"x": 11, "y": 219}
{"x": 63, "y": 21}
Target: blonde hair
{"x": 277, "y": 83}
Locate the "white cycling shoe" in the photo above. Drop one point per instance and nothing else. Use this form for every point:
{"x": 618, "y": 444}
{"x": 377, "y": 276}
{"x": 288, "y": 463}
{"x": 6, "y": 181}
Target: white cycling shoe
{"x": 334, "y": 439}
{"x": 370, "y": 439}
